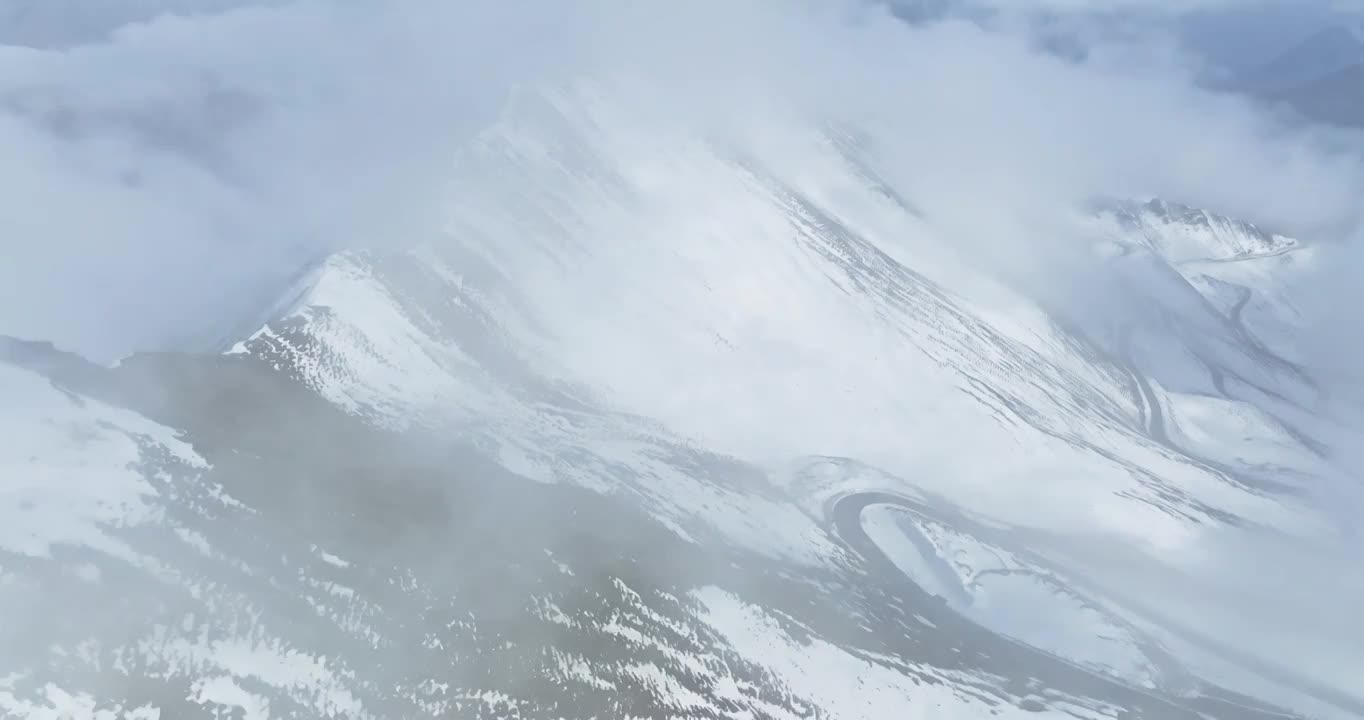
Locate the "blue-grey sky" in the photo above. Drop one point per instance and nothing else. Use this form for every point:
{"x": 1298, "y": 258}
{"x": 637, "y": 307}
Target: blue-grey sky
{"x": 1246, "y": 36}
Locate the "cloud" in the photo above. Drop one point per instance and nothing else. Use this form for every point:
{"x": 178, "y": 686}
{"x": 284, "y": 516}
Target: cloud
{"x": 1219, "y": 37}
{"x": 158, "y": 179}
{"x": 63, "y": 23}
{"x": 1168, "y": 8}
{"x": 202, "y": 155}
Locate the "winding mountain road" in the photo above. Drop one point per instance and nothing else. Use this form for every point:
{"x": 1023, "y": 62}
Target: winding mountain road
{"x": 1005, "y": 655}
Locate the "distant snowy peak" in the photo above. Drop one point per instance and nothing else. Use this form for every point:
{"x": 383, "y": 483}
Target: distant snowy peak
{"x": 1180, "y": 233}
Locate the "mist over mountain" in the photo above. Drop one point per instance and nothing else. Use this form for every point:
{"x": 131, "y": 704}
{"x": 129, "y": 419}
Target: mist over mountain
{"x": 1319, "y": 77}
{"x": 709, "y": 360}
{"x": 1299, "y": 56}
{"x": 1321, "y": 54}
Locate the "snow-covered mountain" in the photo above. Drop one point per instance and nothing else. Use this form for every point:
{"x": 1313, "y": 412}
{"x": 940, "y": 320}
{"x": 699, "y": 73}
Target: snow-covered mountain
{"x": 668, "y": 426}
{"x": 1180, "y": 234}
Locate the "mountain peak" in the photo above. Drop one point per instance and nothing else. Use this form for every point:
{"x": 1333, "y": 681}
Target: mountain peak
{"x": 1182, "y": 233}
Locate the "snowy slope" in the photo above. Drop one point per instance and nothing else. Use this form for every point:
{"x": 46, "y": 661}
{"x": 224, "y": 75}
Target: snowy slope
{"x": 281, "y": 599}
{"x": 1005, "y": 593}
{"x": 584, "y": 456}
{"x": 101, "y": 499}
{"x": 769, "y": 318}
{"x": 75, "y": 467}
{"x": 758, "y": 322}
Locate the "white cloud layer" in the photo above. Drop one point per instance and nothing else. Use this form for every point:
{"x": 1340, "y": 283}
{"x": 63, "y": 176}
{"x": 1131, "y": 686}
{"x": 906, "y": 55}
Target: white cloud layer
{"x": 164, "y": 174}
{"x": 157, "y": 180}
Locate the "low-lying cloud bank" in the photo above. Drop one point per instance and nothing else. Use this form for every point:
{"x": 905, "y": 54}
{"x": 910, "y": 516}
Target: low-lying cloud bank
{"x": 165, "y": 173}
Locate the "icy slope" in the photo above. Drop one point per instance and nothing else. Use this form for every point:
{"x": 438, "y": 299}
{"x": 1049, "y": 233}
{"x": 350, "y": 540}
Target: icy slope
{"x": 591, "y": 279}
{"x": 999, "y": 590}
{"x": 103, "y": 504}
{"x": 74, "y": 469}
{"x": 1230, "y": 339}
{"x": 353, "y": 573}
{"x": 550, "y": 464}
{"x": 691, "y": 286}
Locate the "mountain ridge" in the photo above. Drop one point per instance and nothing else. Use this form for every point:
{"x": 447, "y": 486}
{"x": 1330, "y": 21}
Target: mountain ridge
{"x": 468, "y": 479}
